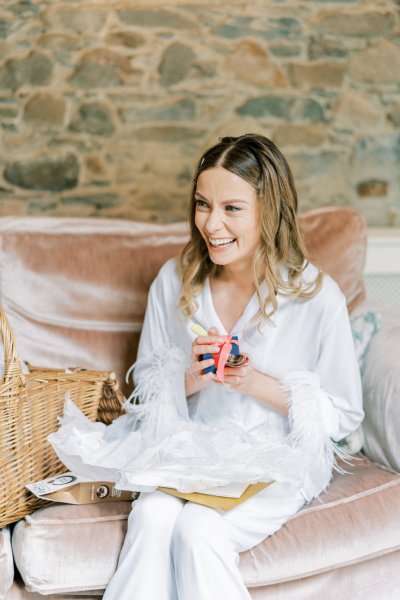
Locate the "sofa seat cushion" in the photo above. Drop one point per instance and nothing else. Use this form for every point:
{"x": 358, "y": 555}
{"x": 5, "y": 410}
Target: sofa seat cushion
{"x": 70, "y": 548}
{"x": 354, "y": 521}
{"x": 6, "y": 562}
{"x": 18, "y": 592}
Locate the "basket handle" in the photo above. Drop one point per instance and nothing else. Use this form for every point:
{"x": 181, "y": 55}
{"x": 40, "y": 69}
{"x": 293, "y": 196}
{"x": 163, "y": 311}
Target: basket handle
{"x": 12, "y": 365}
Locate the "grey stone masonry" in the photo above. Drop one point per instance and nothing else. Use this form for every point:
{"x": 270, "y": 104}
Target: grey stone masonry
{"x": 105, "y": 107}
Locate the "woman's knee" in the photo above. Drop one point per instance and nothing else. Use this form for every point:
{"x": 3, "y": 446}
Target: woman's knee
{"x": 197, "y": 527}
{"x": 155, "y": 510}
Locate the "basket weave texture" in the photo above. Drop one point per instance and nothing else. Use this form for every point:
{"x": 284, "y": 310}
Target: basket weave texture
{"x": 29, "y": 407}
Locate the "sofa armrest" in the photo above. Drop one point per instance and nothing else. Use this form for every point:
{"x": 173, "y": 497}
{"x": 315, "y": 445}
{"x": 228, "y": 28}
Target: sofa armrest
{"x": 381, "y": 388}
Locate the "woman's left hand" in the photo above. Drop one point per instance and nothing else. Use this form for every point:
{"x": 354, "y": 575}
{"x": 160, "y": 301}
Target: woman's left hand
{"x": 247, "y": 380}
{"x": 239, "y": 378}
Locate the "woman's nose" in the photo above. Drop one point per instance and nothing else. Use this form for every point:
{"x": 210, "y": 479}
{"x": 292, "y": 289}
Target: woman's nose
{"x": 214, "y": 221}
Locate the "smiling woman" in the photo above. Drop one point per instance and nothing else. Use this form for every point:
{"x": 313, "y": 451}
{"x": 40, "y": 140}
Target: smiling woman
{"x": 227, "y": 217}
{"x": 244, "y": 196}
{"x": 277, "y": 415}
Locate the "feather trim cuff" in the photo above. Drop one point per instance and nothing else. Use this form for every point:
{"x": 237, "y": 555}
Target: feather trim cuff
{"x": 312, "y": 419}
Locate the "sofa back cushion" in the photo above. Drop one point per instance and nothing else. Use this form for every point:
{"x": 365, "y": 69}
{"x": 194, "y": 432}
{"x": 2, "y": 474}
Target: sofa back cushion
{"x": 75, "y": 289}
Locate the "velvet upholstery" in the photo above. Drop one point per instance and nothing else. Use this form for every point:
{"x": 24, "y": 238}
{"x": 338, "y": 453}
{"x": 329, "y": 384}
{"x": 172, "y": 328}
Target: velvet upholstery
{"x": 356, "y": 520}
{"x": 18, "y": 592}
{"x": 51, "y": 545}
{"x": 75, "y": 289}
{"x": 6, "y": 562}
{"x": 357, "y": 581}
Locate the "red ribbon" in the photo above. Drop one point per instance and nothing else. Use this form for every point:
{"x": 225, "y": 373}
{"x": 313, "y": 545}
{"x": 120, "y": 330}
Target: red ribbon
{"x": 223, "y": 356}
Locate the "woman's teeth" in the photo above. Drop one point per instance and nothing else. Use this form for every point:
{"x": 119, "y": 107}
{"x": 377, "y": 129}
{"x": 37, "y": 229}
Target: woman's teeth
{"x": 222, "y": 242}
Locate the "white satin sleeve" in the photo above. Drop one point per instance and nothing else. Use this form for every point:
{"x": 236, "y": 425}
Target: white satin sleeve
{"x": 155, "y": 324}
{"x": 157, "y": 341}
{"x": 334, "y": 385}
{"x": 339, "y": 375}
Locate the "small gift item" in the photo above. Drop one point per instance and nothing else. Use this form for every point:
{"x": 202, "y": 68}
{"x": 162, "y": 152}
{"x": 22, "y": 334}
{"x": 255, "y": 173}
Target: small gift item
{"x": 228, "y": 354}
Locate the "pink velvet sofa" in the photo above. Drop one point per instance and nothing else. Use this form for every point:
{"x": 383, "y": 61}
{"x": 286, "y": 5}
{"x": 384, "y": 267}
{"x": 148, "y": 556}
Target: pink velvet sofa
{"x": 75, "y": 293}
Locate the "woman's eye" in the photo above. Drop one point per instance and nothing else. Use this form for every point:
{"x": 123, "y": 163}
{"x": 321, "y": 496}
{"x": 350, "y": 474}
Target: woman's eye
{"x": 231, "y": 208}
{"x": 200, "y": 204}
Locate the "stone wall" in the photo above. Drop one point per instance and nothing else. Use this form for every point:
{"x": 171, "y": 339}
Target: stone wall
{"x": 105, "y": 106}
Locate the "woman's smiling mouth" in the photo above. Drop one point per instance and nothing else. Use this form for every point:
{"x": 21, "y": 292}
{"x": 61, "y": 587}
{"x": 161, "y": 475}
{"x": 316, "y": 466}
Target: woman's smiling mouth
{"x": 219, "y": 243}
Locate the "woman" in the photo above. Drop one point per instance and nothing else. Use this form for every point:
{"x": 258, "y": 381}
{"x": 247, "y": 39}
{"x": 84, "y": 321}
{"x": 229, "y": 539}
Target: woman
{"x": 244, "y": 272}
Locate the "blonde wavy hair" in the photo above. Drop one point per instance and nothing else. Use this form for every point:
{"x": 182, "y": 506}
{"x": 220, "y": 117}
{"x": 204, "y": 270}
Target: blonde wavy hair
{"x": 258, "y": 161}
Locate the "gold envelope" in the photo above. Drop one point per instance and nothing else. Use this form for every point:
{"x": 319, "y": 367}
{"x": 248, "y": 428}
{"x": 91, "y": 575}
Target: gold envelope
{"x": 219, "y": 502}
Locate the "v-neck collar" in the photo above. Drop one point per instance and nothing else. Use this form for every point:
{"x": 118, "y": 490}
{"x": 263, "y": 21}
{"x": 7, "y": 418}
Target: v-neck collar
{"x": 212, "y": 316}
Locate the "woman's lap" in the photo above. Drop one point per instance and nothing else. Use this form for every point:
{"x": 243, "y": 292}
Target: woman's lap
{"x": 243, "y": 527}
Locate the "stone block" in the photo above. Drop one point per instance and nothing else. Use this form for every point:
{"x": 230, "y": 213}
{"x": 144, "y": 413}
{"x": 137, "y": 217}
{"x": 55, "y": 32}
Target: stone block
{"x": 176, "y": 63}
{"x": 379, "y": 63}
{"x": 156, "y": 17}
{"x": 168, "y": 133}
{"x": 93, "y": 118}
{"x": 101, "y": 67}
{"x": 372, "y": 187}
{"x": 98, "y": 200}
{"x": 378, "y": 152}
{"x": 309, "y": 110}
{"x": 266, "y": 106}
{"x": 45, "y": 109}
{"x": 8, "y": 112}
{"x": 235, "y": 28}
{"x": 355, "y": 111}
{"x": 328, "y": 74}
{"x": 35, "y": 69}
{"x": 129, "y": 39}
{"x": 82, "y": 19}
{"x": 249, "y": 62}
{"x": 64, "y": 42}
{"x": 358, "y": 21}
{"x": 285, "y": 49}
{"x": 282, "y": 28}
{"x": 181, "y": 110}
{"x": 23, "y": 10}
{"x": 322, "y": 47}
{"x": 95, "y": 165}
{"x": 46, "y": 173}
{"x": 322, "y": 166}
{"x": 299, "y": 135}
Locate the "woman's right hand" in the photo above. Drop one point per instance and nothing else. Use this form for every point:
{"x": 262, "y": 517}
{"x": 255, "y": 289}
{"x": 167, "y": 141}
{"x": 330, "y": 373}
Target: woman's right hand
{"x": 195, "y": 378}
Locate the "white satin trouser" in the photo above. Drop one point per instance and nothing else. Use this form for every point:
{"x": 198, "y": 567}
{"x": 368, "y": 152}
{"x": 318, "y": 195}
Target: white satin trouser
{"x": 177, "y": 550}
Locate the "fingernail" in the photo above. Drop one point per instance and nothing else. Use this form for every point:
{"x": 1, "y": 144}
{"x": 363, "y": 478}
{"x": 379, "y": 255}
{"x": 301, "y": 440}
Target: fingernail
{"x": 214, "y": 349}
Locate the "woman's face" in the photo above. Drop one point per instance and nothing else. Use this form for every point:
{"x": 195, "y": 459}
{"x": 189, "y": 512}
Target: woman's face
{"x": 227, "y": 216}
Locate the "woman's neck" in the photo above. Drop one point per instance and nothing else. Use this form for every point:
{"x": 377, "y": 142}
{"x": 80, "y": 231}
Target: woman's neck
{"x": 237, "y": 275}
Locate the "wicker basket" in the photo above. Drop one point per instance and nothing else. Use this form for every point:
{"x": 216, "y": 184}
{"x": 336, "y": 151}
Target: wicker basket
{"x": 29, "y": 407}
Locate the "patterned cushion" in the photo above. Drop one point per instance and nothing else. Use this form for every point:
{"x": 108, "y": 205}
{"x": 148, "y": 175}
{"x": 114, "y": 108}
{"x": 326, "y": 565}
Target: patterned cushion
{"x": 363, "y": 327}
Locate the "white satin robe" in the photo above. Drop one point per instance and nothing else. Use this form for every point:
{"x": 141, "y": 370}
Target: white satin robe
{"x": 175, "y": 550}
